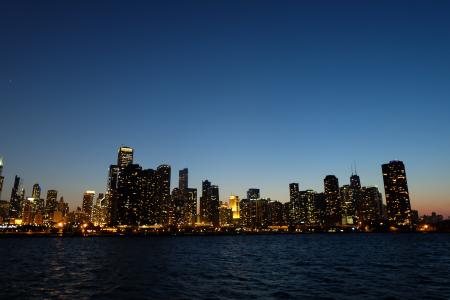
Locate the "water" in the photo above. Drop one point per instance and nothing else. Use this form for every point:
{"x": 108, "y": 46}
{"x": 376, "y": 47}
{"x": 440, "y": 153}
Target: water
{"x": 320, "y": 266}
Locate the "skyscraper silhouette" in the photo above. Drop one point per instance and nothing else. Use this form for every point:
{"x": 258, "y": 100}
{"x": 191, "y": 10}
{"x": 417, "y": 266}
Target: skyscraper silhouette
{"x": 397, "y": 194}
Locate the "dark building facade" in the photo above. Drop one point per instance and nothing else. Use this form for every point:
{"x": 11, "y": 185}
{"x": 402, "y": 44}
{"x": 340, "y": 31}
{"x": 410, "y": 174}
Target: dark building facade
{"x": 15, "y": 203}
{"x": 51, "y": 203}
{"x": 331, "y": 189}
{"x": 397, "y": 194}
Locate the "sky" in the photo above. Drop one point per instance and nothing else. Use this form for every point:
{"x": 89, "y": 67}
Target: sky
{"x": 246, "y": 94}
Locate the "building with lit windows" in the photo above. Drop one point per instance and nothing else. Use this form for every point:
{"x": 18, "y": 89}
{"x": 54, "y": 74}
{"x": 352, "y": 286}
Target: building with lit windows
{"x": 397, "y": 195}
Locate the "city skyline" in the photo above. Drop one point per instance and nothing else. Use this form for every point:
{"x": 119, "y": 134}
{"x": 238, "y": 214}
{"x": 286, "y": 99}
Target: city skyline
{"x": 245, "y": 94}
{"x": 331, "y": 186}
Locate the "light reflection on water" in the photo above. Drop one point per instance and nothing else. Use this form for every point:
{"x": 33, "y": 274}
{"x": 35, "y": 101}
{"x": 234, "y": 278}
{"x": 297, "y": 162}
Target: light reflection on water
{"x": 222, "y": 267}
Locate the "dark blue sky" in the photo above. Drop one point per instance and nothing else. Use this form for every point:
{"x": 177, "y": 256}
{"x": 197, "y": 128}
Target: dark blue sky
{"x": 244, "y": 93}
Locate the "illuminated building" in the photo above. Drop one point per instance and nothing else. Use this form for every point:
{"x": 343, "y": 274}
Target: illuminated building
{"x": 348, "y": 211}
{"x": 113, "y": 176}
{"x": 204, "y": 202}
{"x": 397, "y": 195}
{"x": 275, "y": 213}
{"x": 129, "y": 195}
{"x": 125, "y": 156}
{"x": 88, "y": 204}
{"x": 297, "y": 213}
{"x": 15, "y": 204}
{"x": 262, "y": 213}
{"x": 369, "y": 208}
{"x": 28, "y": 211}
{"x": 248, "y": 213}
{"x": 36, "y": 195}
{"x": 36, "y": 192}
{"x": 308, "y": 204}
{"x": 1, "y": 177}
{"x": 209, "y": 204}
{"x": 51, "y": 203}
{"x": 63, "y": 207}
{"x": 331, "y": 187}
{"x": 163, "y": 193}
{"x": 234, "y": 205}
{"x": 190, "y": 207}
{"x": 183, "y": 179}
{"x": 151, "y": 209}
{"x": 225, "y": 215}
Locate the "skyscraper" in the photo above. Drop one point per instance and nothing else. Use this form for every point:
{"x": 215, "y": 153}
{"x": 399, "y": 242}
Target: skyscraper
{"x": 129, "y": 195}
{"x": 183, "y": 179}
{"x": 36, "y": 192}
{"x": 397, "y": 195}
{"x": 204, "y": 204}
{"x": 88, "y": 204}
{"x": 51, "y": 203}
{"x": 125, "y": 156}
{"x": 113, "y": 175}
{"x": 15, "y": 204}
{"x": 163, "y": 179}
{"x": 297, "y": 209}
{"x": 209, "y": 203}
{"x": 1, "y": 177}
{"x": 331, "y": 188}
{"x": 234, "y": 205}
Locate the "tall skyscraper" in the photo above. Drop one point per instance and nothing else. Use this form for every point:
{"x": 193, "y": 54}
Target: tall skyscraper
{"x": 397, "y": 195}
{"x": 112, "y": 196}
{"x": 183, "y": 179}
{"x": 38, "y": 202}
{"x": 51, "y": 203}
{"x": 234, "y": 205}
{"x": 150, "y": 205}
{"x": 125, "y": 156}
{"x": 15, "y": 204}
{"x": 1, "y": 177}
{"x": 163, "y": 178}
{"x": 331, "y": 188}
{"x": 129, "y": 195}
{"x": 209, "y": 204}
{"x": 297, "y": 212}
{"x": 204, "y": 204}
{"x": 88, "y": 204}
{"x": 36, "y": 192}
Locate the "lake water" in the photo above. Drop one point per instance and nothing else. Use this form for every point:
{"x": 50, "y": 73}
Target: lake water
{"x": 319, "y": 266}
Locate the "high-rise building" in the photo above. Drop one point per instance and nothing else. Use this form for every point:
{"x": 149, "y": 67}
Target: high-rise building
{"x": 125, "y": 156}
{"x": 113, "y": 177}
{"x": 1, "y": 177}
{"x": 129, "y": 195}
{"x": 190, "y": 207}
{"x": 51, "y": 203}
{"x": 234, "y": 205}
{"x": 225, "y": 215}
{"x": 297, "y": 213}
{"x": 163, "y": 178}
{"x": 276, "y": 213}
{"x": 308, "y": 204}
{"x": 397, "y": 195}
{"x": 369, "y": 208}
{"x": 209, "y": 204}
{"x": 253, "y": 194}
{"x": 88, "y": 204}
{"x": 348, "y": 210}
{"x": 63, "y": 207}
{"x": 214, "y": 203}
{"x": 15, "y": 204}
{"x": 204, "y": 202}
{"x": 150, "y": 206}
{"x": 331, "y": 188}
{"x": 183, "y": 179}
{"x": 355, "y": 182}
{"x": 36, "y": 192}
